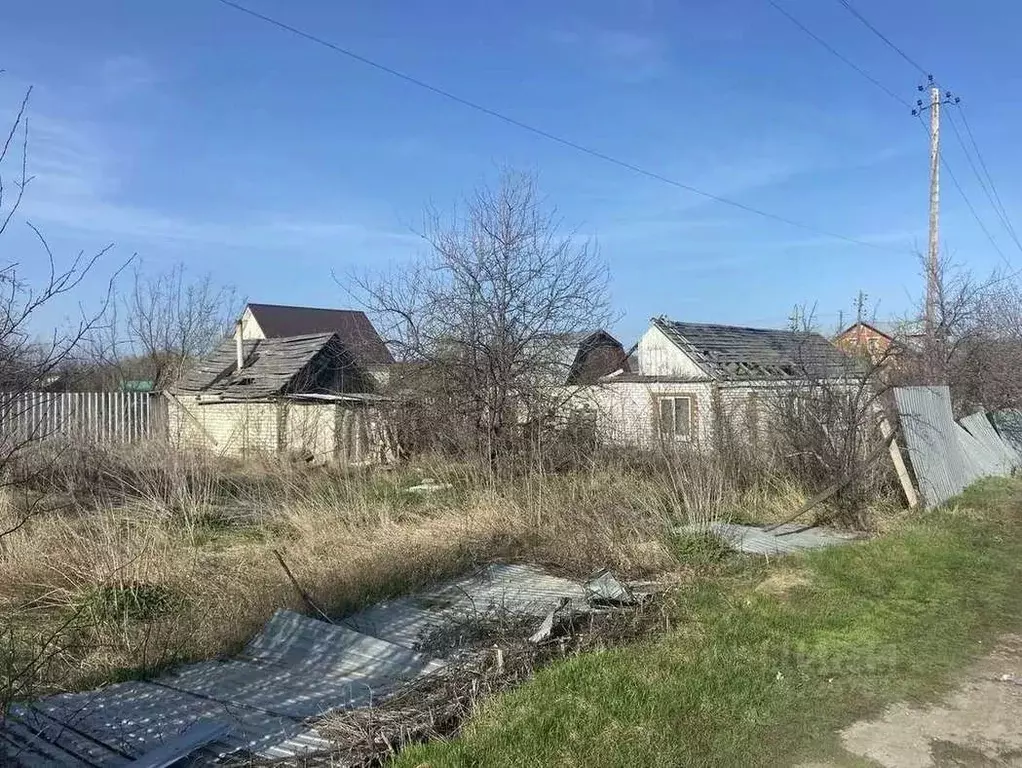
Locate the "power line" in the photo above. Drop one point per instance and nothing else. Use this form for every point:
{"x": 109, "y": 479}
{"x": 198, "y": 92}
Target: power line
{"x": 983, "y": 185}
{"x": 998, "y": 207}
{"x": 827, "y": 46}
{"x": 968, "y": 202}
{"x": 546, "y": 134}
{"x": 990, "y": 179}
{"x": 848, "y": 7}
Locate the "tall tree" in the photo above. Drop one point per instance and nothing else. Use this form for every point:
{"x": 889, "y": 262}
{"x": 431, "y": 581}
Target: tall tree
{"x": 488, "y": 315}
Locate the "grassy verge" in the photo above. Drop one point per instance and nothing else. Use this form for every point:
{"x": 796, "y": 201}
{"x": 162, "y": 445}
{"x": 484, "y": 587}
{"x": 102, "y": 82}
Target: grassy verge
{"x": 766, "y": 662}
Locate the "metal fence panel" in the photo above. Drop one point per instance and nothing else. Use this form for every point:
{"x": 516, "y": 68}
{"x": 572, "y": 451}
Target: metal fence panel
{"x": 1004, "y": 457}
{"x": 946, "y": 457}
{"x": 934, "y": 442}
{"x": 96, "y": 416}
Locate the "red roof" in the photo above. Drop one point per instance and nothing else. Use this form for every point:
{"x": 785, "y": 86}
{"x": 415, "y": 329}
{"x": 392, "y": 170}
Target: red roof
{"x": 353, "y": 328}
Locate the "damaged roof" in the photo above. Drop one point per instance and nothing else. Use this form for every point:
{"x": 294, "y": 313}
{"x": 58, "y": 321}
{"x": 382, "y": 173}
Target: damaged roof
{"x": 352, "y": 327}
{"x": 731, "y": 352}
{"x": 272, "y": 366}
{"x": 588, "y": 355}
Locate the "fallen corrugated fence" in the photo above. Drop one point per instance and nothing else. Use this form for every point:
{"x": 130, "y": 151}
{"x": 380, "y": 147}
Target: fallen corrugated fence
{"x": 260, "y": 704}
{"x": 946, "y": 456}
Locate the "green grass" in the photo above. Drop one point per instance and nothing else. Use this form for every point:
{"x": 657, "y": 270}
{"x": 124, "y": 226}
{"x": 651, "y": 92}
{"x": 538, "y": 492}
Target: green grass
{"x": 755, "y": 676}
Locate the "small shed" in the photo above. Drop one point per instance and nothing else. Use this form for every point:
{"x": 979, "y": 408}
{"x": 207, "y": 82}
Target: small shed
{"x": 305, "y": 396}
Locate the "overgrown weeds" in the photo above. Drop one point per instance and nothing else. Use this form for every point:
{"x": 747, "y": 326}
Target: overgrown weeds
{"x": 143, "y": 557}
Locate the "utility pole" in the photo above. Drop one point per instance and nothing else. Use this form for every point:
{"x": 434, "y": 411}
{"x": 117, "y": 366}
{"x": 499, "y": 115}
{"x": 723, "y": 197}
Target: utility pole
{"x": 931, "y": 321}
{"x": 933, "y": 253}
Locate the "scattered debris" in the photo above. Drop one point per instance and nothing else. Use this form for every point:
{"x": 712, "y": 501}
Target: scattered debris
{"x": 436, "y": 706}
{"x": 547, "y": 627}
{"x": 604, "y": 588}
{"x": 428, "y": 485}
{"x": 779, "y": 540}
{"x": 397, "y": 671}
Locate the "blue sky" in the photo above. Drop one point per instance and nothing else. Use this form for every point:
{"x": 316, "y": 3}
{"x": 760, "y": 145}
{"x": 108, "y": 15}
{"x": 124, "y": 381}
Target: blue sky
{"x": 188, "y": 132}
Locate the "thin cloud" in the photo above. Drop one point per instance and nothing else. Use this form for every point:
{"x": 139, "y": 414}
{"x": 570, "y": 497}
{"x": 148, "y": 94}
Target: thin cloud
{"x": 75, "y": 187}
{"x": 124, "y": 75}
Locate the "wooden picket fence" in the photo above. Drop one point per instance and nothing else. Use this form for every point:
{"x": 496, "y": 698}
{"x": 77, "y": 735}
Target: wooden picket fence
{"x": 95, "y": 416}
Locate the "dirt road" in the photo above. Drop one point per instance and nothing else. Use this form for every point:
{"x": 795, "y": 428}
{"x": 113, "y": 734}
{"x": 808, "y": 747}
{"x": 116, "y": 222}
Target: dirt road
{"x": 978, "y": 725}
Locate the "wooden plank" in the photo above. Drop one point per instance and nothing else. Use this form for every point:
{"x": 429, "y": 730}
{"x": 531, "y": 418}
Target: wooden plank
{"x": 911, "y": 496}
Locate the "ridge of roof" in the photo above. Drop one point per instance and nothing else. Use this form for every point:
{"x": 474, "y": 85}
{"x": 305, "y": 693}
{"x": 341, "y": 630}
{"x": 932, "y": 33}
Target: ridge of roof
{"x": 731, "y": 352}
{"x": 353, "y": 327}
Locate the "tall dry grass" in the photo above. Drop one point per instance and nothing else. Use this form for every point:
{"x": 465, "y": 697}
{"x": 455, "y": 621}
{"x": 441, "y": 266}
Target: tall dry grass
{"x": 144, "y": 557}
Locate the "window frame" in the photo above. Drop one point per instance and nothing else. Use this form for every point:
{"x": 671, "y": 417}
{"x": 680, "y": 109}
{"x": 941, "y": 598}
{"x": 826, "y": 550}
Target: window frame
{"x": 673, "y": 398}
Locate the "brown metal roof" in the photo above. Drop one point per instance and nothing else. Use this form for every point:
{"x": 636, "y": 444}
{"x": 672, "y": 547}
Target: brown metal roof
{"x": 353, "y": 328}
{"x": 728, "y": 352}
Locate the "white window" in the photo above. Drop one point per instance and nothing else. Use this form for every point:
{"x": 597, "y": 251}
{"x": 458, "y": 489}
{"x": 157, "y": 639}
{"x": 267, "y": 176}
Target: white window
{"x": 675, "y": 417}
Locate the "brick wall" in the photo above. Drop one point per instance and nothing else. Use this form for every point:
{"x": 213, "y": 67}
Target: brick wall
{"x": 231, "y": 429}
{"x": 626, "y": 411}
{"x": 311, "y": 428}
{"x": 348, "y": 434}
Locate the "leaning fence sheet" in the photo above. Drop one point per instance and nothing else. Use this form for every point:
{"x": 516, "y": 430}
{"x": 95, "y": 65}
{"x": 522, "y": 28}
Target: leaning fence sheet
{"x": 1008, "y": 424}
{"x": 945, "y": 457}
{"x": 1002, "y": 456}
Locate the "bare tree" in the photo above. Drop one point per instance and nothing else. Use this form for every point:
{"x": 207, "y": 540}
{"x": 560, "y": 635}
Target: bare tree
{"x": 984, "y": 363}
{"x": 169, "y": 321}
{"x": 976, "y": 345}
{"x": 485, "y": 319}
{"x": 827, "y": 421}
{"x": 28, "y": 359}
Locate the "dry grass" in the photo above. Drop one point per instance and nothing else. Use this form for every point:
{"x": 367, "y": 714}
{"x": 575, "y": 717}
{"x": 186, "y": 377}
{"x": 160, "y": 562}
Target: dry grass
{"x": 147, "y": 557}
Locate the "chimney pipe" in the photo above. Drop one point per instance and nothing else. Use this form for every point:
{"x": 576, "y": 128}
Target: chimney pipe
{"x": 239, "y": 346}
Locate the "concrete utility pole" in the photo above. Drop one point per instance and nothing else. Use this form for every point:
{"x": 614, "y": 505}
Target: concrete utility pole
{"x": 933, "y": 254}
{"x": 931, "y": 321}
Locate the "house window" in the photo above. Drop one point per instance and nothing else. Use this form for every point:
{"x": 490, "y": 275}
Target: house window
{"x": 675, "y": 417}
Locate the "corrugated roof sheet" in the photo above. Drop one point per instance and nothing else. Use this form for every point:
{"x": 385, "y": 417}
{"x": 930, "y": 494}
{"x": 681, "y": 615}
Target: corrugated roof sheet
{"x": 352, "y": 327}
{"x": 731, "y": 352}
{"x": 294, "y": 669}
{"x": 497, "y": 589}
{"x": 783, "y": 540}
{"x": 271, "y": 365}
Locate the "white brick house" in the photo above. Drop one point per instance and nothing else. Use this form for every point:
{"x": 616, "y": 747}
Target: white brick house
{"x": 301, "y": 395}
{"x": 681, "y": 379}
